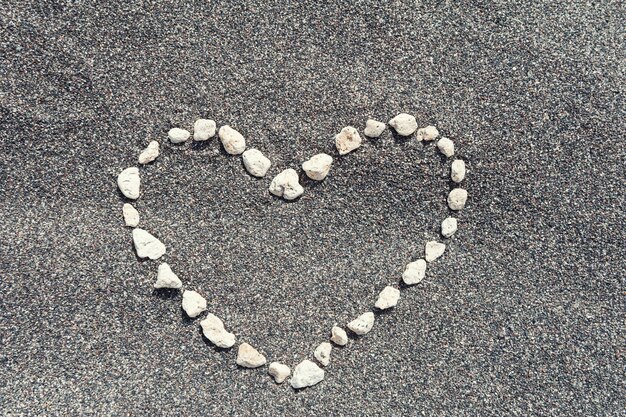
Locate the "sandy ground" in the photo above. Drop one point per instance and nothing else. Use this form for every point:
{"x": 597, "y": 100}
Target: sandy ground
{"x": 524, "y": 315}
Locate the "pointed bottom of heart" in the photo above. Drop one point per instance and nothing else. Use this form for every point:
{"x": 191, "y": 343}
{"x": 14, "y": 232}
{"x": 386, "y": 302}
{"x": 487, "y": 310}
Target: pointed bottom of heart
{"x": 306, "y": 374}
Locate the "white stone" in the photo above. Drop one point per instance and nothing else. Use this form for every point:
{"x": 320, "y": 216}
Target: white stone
{"x": 306, "y": 374}
{"x": 249, "y": 357}
{"x": 318, "y": 166}
{"x": 404, "y": 124}
{"x": 433, "y": 250}
{"x": 449, "y": 226}
{"x": 362, "y": 324}
{"x": 193, "y": 303}
{"x": 233, "y": 141}
{"x": 373, "y": 128}
{"x": 256, "y": 163}
{"x": 457, "y": 199}
{"x": 287, "y": 185}
{"x": 150, "y": 153}
{"x": 347, "y": 140}
{"x": 279, "y": 372}
{"x": 131, "y": 215}
{"x": 427, "y": 133}
{"x": 146, "y": 245}
{"x": 414, "y": 272}
{"x": 129, "y": 183}
{"x": 322, "y": 353}
{"x": 457, "y": 171}
{"x": 387, "y": 298}
{"x": 178, "y": 135}
{"x": 166, "y": 278}
{"x": 213, "y": 329}
{"x": 446, "y": 147}
{"x": 338, "y": 336}
{"x": 203, "y": 129}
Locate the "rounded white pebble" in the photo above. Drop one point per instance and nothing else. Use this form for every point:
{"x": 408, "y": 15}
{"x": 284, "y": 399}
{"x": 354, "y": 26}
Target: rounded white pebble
{"x": 457, "y": 171}
{"x": 256, "y": 163}
{"x": 427, "y": 133}
{"x": 318, "y": 166}
{"x": 373, "y": 128}
{"x": 213, "y": 329}
{"x": 203, "y": 129}
{"x": 150, "y": 153}
{"x": 404, "y": 124}
{"x": 249, "y": 357}
{"x": 338, "y": 336}
{"x": 362, "y": 324}
{"x": 279, "y": 372}
{"x": 131, "y": 215}
{"x": 387, "y": 298}
{"x": 287, "y": 185}
{"x": 193, "y": 303}
{"x": 178, "y": 135}
{"x": 446, "y": 147}
{"x": 129, "y": 182}
{"x": 449, "y": 226}
{"x": 322, "y": 353}
{"x": 347, "y": 140}
{"x": 414, "y": 272}
{"x": 166, "y": 278}
{"x": 457, "y": 199}
{"x": 433, "y": 250}
{"x": 234, "y": 143}
{"x": 306, "y": 374}
{"x": 146, "y": 245}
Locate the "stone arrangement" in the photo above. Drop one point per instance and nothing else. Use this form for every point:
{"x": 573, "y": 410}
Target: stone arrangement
{"x": 286, "y": 185}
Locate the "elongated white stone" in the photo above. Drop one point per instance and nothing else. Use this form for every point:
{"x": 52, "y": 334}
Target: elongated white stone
{"x": 433, "y": 250}
{"x": 338, "y": 336}
{"x": 362, "y": 324}
{"x": 427, "y": 133}
{"x": 457, "y": 199}
{"x": 129, "y": 182}
{"x": 373, "y": 128}
{"x": 457, "y": 171}
{"x": 213, "y": 329}
{"x": 318, "y": 166}
{"x": 256, "y": 163}
{"x": 249, "y": 357}
{"x": 306, "y": 374}
{"x": 414, "y": 272}
{"x": 446, "y": 147}
{"x": 387, "y": 298}
{"x": 166, "y": 278}
{"x": 404, "y": 124}
{"x": 150, "y": 153}
{"x": 279, "y": 372}
{"x": 131, "y": 215}
{"x": 146, "y": 245}
{"x": 449, "y": 226}
{"x": 287, "y": 185}
{"x": 203, "y": 129}
{"x": 193, "y": 303}
{"x": 234, "y": 143}
{"x": 178, "y": 135}
{"x": 347, "y": 140}
{"x": 322, "y": 353}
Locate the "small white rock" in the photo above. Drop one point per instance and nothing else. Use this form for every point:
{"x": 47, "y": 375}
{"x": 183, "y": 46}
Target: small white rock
{"x": 446, "y": 147}
{"x": 146, "y": 245}
{"x": 373, "y": 128}
{"x": 457, "y": 171}
{"x": 362, "y": 324}
{"x": 287, "y": 185}
{"x": 234, "y": 143}
{"x": 433, "y": 250}
{"x": 203, "y": 129}
{"x": 256, "y": 163}
{"x": 457, "y": 199}
{"x": 193, "y": 303}
{"x": 279, "y": 372}
{"x": 129, "y": 182}
{"x": 318, "y": 166}
{"x": 338, "y": 336}
{"x": 387, "y": 298}
{"x": 178, "y": 135}
{"x": 150, "y": 153}
{"x": 249, "y": 357}
{"x": 449, "y": 226}
{"x": 213, "y": 329}
{"x": 427, "y": 133}
{"x": 166, "y": 278}
{"x": 347, "y": 140}
{"x": 322, "y": 353}
{"x": 306, "y": 374}
{"x": 414, "y": 272}
{"x": 131, "y": 215}
{"x": 404, "y": 124}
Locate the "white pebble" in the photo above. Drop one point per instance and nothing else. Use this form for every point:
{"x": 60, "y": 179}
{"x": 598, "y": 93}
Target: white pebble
{"x": 249, "y": 357}
{"x": 446, "y": 147}
{"x": 338, "y": 336}
{"x": 373, "y": 128}
{"x": 213, "y": 329}
{"x": 129, "y": 182}
{"x": 322, "y": 353}
{"x": 457, "y": 171}
{"x": 427, "y": 133}
{"x": 131, "y": 215}
{"x": 457, "y": 199}
{"x": 279, "y": 371}
{"x": 387, "y": 298}
{"x": 150, "y": 153}
{"x": 449, "y": 226}
{"x": 433, "y": 250}
{"x": 256, "y": 163}
{"x": 234, "y": 143}
{"x": 203, "y": 129}
{"x": 306, "y": 374}
{"x": 404, "y": 124}
{"x": 146, "y": 245}
{"x": 193, "y": 303}
{"x": 287, "y": 185}
{"x": 166, "y": 278}
{"x": 414, "y": 272}
{"x": 318, "y": 166}
{"x": 362, "y": 324}
{"x": 178, "y": 135}
{"x": 347, "y": 140}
